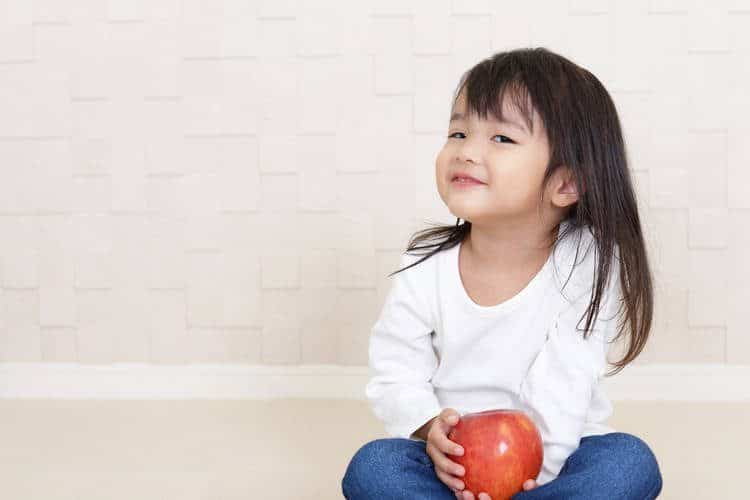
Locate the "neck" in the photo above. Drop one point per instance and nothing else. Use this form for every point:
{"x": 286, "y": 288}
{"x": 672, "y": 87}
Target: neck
{"x": 507, "y": 248}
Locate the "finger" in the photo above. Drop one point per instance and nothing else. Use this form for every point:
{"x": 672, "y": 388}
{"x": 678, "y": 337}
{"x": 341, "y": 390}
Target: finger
{"x": 447, "y": 465}
{"x": 438, "y": 436}
{"x": 447, "y": 446}
{"x": 450, "y": 416}
{"x": 450, "y": 481}
{"x": 484, "y": 496}
{"x": 468, "y": 495}
{"x": 441, "y": 461}
{"x": 448, "y": 420}
{"x": 451, "y": 447}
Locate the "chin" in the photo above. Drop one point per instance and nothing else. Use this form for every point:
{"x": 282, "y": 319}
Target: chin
{"x": 463, "y": 214}
{"x": 465, "y": 208}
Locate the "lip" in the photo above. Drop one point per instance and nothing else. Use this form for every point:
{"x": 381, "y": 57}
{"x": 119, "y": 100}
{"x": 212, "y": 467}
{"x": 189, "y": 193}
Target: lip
{"x": 465, "y": 185}
{"x": 473, "y": 180}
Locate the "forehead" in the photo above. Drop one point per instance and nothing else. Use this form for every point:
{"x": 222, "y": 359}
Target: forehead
{"x": 511, "y": 115}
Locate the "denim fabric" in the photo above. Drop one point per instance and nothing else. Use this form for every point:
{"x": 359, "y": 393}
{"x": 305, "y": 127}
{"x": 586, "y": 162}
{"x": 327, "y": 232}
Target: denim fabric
{"x": 613, "y": 466}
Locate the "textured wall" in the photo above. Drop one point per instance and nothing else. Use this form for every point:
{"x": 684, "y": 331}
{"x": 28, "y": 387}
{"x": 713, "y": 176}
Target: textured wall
{"x": 231, "y": 181}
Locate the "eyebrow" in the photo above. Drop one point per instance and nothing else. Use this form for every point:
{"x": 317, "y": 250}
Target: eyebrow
{"x": 460, "y": 116}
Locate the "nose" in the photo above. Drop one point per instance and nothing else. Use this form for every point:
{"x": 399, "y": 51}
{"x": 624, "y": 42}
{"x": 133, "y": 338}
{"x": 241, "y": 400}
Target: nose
{"x": 468, "y": 151}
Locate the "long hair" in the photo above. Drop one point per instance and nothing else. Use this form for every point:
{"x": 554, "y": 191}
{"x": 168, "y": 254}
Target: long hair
{"x": 584, "y": 133}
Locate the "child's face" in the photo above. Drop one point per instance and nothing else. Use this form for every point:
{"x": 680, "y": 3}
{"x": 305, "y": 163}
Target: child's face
{"x": 512, "y": 172}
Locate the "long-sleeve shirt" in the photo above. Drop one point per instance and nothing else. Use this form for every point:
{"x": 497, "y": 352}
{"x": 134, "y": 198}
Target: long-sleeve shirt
{"x": 432, "y": 347}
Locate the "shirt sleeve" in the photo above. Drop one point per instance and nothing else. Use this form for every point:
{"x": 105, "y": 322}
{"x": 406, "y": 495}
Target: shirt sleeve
{"x": 557, "y": 390}
{"x": 401, "y": 358}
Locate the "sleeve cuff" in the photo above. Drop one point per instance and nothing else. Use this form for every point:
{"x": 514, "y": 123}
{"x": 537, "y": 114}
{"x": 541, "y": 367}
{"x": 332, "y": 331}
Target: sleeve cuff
{"x": 414, "y": 421}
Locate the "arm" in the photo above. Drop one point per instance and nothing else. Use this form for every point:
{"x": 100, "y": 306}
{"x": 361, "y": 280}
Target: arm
{"x": 557, "y": 391}
{"x": 402, "y": 359}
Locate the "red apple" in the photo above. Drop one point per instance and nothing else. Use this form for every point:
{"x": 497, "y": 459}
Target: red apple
{"x": 502, "y": 449}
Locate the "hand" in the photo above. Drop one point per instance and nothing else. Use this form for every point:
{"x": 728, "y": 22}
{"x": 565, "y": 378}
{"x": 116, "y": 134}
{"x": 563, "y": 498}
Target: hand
{"x": 528, "y": 485}
{"x": 438, "y": 448}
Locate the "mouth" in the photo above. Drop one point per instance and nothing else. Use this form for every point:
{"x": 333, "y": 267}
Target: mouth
{"x": 466, "y": 180}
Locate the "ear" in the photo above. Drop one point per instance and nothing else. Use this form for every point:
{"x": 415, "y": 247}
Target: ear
{"x": 564, "y": 188}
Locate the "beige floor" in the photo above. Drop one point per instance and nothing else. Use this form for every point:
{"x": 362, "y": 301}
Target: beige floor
{"x": 296, "y": 449}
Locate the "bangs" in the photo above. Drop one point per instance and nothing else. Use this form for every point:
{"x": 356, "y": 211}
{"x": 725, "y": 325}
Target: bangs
{"x": 486, "y": 88}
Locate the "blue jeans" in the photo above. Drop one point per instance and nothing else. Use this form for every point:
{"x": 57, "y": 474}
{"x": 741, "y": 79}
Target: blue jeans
{"x": 613, "y": 466}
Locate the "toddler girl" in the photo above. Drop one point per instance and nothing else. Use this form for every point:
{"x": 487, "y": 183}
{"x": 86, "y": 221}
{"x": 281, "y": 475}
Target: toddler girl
{"x": 489, "y": 315}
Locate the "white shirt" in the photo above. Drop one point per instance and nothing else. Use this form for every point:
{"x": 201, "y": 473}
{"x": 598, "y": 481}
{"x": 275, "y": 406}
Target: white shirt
{"x": 432, "y": 347}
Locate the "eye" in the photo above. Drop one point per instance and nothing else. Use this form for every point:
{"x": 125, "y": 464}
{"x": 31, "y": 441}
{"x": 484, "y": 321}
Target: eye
{"x": 509, "y": 139}
{"x": 498, "y": 135}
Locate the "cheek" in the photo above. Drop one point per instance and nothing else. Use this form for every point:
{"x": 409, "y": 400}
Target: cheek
{"x": 513, "y": 186}
{"x": 441, "y": 167}
{"x": 440, "y": 159}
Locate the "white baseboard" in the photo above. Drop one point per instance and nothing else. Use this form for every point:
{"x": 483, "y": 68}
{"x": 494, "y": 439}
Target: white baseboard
{"x": 669, "y": 382}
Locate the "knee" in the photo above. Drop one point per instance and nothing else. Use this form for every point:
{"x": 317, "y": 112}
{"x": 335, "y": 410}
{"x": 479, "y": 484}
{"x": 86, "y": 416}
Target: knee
{"x": 638, "y": 463}
{"x": 366, "y": 466}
